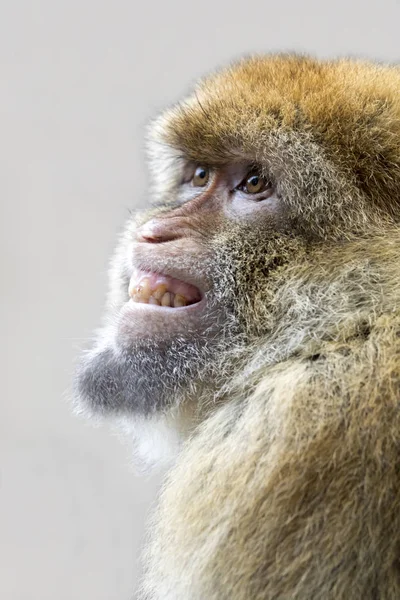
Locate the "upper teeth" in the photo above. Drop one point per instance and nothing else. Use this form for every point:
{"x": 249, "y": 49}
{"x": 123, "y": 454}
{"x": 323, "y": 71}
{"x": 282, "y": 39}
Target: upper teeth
{"x": 159, "y": 296}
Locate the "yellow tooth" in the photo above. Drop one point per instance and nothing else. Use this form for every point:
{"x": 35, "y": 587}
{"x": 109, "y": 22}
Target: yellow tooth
{"x": 160, "y": 291}
{"x": 179, "y": 301}
{"x": 132, "y": 290}
{"x": 144, "y": 287}
{"x": 166, "y": 299}
{"x": 142, "y": 290}
{"x": 139, "y": 298}
{"x": 153, "y": 300}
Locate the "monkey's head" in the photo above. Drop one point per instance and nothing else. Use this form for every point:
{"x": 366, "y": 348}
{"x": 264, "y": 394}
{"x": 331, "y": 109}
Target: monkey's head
{"x": 263, "y": 165}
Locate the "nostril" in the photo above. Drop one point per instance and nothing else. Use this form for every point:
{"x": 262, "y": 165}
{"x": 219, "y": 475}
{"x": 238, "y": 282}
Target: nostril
{"x": 148, "y": 233}
{"x": 155, "y": 232}
{"x": 151, "y": 239}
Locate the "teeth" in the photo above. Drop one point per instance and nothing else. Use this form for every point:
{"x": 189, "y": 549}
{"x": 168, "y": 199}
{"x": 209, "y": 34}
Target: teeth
{"x": 160, "y": 292}
{"x": 143, "y": 293}
{"x": 166, "y": 300}
{"x": 179, "y": 301}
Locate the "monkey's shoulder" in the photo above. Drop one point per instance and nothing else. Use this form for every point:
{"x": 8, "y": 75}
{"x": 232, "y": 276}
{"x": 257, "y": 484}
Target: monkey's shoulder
{"x": 252, "y": 508}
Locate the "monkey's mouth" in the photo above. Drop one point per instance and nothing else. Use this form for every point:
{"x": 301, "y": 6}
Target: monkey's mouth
{"x": 157, "y": 289}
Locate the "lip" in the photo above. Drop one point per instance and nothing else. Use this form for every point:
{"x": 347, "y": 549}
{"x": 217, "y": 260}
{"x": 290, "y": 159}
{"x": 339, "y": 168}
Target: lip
{"x": 174, "y": 272}
{"x": 172, "y": 293}
{"x": 184, "y": 259}
{"x": 142, "y": 306}
{"x": 140, "y": 321}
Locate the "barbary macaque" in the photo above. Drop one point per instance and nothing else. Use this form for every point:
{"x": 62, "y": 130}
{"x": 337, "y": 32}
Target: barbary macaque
{"x": 252, "y": 335}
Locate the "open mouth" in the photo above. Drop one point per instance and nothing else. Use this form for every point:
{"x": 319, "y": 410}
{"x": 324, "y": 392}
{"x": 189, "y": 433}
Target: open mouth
{"x": 162, "y": 290}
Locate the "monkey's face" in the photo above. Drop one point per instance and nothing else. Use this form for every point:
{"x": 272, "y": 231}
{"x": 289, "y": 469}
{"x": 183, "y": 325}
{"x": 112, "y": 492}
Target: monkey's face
{"x": 248, "y": 175}
{"x": 186, "y": 281}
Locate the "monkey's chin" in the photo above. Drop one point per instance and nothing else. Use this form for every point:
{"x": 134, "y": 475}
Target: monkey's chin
{"x": 144, "y": 321}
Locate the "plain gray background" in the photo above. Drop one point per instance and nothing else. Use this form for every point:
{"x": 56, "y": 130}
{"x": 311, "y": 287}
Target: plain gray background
{"x": 79, "y": 81}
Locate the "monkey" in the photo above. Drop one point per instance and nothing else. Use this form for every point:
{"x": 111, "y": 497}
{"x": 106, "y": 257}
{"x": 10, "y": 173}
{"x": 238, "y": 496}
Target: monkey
{"x": 251, "y": 338}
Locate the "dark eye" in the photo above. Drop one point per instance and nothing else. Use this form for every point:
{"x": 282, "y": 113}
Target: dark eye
{"x": 255, "y": 183}
{"x": 201, "y": 176}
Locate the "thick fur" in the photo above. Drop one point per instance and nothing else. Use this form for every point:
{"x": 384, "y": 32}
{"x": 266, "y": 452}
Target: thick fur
{"x": 289, "y": 488}
{"x": 293, "y": 490}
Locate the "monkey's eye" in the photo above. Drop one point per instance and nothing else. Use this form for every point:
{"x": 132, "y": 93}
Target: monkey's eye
{"x": 201, "y": 176}
{"x": 254, "y": 183}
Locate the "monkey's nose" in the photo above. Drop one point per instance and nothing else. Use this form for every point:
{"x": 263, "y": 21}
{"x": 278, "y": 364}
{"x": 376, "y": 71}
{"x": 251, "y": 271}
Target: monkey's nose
{"x": 156, "y": 232}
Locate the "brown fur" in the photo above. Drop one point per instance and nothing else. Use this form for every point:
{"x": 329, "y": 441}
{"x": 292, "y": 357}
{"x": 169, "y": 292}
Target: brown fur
{"x": 329, "y": 131}
{"x": 290, "y": 487}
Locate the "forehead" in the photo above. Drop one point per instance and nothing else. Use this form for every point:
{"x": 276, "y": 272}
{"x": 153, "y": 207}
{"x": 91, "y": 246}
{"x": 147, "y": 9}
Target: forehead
{"x": 239, "y": 110}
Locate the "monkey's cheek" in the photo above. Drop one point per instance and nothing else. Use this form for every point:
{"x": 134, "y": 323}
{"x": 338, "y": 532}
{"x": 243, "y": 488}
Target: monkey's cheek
{"x": 138, "y": 321}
